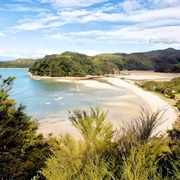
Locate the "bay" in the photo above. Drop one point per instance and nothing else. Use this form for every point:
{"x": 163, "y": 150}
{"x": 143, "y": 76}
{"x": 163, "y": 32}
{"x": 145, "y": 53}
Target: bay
{"x": 48, "y": 98}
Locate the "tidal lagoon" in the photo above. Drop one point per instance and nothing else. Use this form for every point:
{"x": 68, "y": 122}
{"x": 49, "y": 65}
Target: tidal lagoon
{"x": 50, "y": 99}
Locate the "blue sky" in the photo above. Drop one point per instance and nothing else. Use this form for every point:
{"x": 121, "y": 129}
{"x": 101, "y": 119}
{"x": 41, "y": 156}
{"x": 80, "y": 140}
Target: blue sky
{"x": 34, "y": 28}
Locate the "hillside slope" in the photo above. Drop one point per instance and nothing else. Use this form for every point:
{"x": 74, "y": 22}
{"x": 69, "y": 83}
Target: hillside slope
{"x": 167, "y": 60}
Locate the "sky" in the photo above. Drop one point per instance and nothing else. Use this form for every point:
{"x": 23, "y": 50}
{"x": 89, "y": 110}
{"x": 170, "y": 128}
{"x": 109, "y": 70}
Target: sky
{"x": 35, "y": 28}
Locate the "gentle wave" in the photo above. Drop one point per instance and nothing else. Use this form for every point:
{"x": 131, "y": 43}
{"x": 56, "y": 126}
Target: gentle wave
{"x": 58, "y": 99}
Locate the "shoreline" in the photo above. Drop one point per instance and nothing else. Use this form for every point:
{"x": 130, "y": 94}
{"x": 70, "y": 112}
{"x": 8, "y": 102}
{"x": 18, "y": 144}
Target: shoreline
{"x": 69, "y": 78}
{"x": 152, "y": 101}
{"x": 134, "y": 76}
{"x": 155, "y": 103}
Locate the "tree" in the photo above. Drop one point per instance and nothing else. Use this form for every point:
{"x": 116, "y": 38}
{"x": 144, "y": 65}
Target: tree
{"x": 22, "y": 151}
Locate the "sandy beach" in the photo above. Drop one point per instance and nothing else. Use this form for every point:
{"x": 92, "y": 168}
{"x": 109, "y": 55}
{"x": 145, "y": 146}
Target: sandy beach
{"x": 152, "y": 102}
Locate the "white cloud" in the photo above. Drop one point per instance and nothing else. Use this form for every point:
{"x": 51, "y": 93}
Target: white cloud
{"x": 2, "y": 35}
{"x": 137, "y": 17}
{"x": 8, "y": 54}
{"x": 88, "y": 52}
{"x": 42, "y": 20}
{"x": 12, "y": 54}
{"x": 23, "y": 8}
{"x": 73, "y": 14}
{"x": 156, "y": 15}
{"x": 74, "y": 22}
{"x": 41, "y": 52}
{"x": 129, "y": 6}
{"x": 132, "y": 34}
{"x": 57, "y": 36}
{"x": 72, "y": 3}
{"x": 17, "y": 7}
{"x": 137, "y": 13}
{"x": 164, "y": 46}
{"x": 164, "y": 40}
{"x": 163, "y": 3}
{"x": 101, "y": 16}
{"x": 29, "y": 26}
{"x": 165, "y": 35}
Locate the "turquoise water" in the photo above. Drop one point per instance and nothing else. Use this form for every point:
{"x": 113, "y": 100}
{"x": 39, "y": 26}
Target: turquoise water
{"x": 50, "y": 99}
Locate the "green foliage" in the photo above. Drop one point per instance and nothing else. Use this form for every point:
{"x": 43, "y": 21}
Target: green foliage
{"x": 160, "y": 61}
{"x": 85, "y": 159}
{"x": 140, "y": 130}
{"x": 169, "y": 164}
{"x": 139, "y": 147}
{"x": 96, "y": 132}
{"x": 69, "y": 162}
{"x": 71, "y": 64}
{"x": 141, "y": 162}
{"x": 118, "y": 60}
{"x": 136, "y": 154}
{"x": 22, "y": 151}
{"x": 168, "y": 88}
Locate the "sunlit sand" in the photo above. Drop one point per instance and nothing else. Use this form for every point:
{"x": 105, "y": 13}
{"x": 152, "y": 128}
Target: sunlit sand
{"x": 152, "y": 102}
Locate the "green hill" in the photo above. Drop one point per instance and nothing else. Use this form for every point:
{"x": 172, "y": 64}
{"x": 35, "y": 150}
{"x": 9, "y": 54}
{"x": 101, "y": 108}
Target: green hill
{"x": 75, "y": 64}
{"x": 167, "y": 60}
{"x": 72, "y": 64}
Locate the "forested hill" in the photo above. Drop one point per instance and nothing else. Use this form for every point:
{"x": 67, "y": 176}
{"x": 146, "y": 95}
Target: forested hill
{"x": 72, "y": 64}
{"x": 19, "y": 63}
{"x": 167, "y": 60}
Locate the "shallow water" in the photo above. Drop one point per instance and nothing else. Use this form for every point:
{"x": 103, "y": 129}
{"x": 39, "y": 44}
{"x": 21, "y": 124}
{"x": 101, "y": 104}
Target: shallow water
{"x": 51, "y": 99}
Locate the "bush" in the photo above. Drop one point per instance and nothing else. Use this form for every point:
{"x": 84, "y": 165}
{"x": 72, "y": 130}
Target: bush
{"x": 134, "y": 155}
{"x": 87, "y": 158}
{"x": 22, "y": 151}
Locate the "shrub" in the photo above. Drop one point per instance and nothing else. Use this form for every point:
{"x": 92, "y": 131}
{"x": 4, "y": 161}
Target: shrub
{"x": 22, "y": 151}
{"x": 87, "y": 158}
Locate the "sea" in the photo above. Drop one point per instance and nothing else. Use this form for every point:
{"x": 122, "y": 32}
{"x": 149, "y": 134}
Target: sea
{"x": 52, "y": 99}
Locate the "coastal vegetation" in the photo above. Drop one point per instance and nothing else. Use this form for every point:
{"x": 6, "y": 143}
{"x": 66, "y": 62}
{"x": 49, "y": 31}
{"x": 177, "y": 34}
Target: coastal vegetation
{"x": 169, "y": 89}
{"x": 75, "y": 64}
{"x": 72, "y": 64}
{"x": 167, "y": 60}
{"x": 136, "y": 151}
{"x": 22, "y": 150}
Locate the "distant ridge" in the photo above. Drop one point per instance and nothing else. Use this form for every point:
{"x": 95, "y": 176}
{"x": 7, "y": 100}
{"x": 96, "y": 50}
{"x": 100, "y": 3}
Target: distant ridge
{"x": 167, "y": 60}
{"x": 18, "y": 63}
